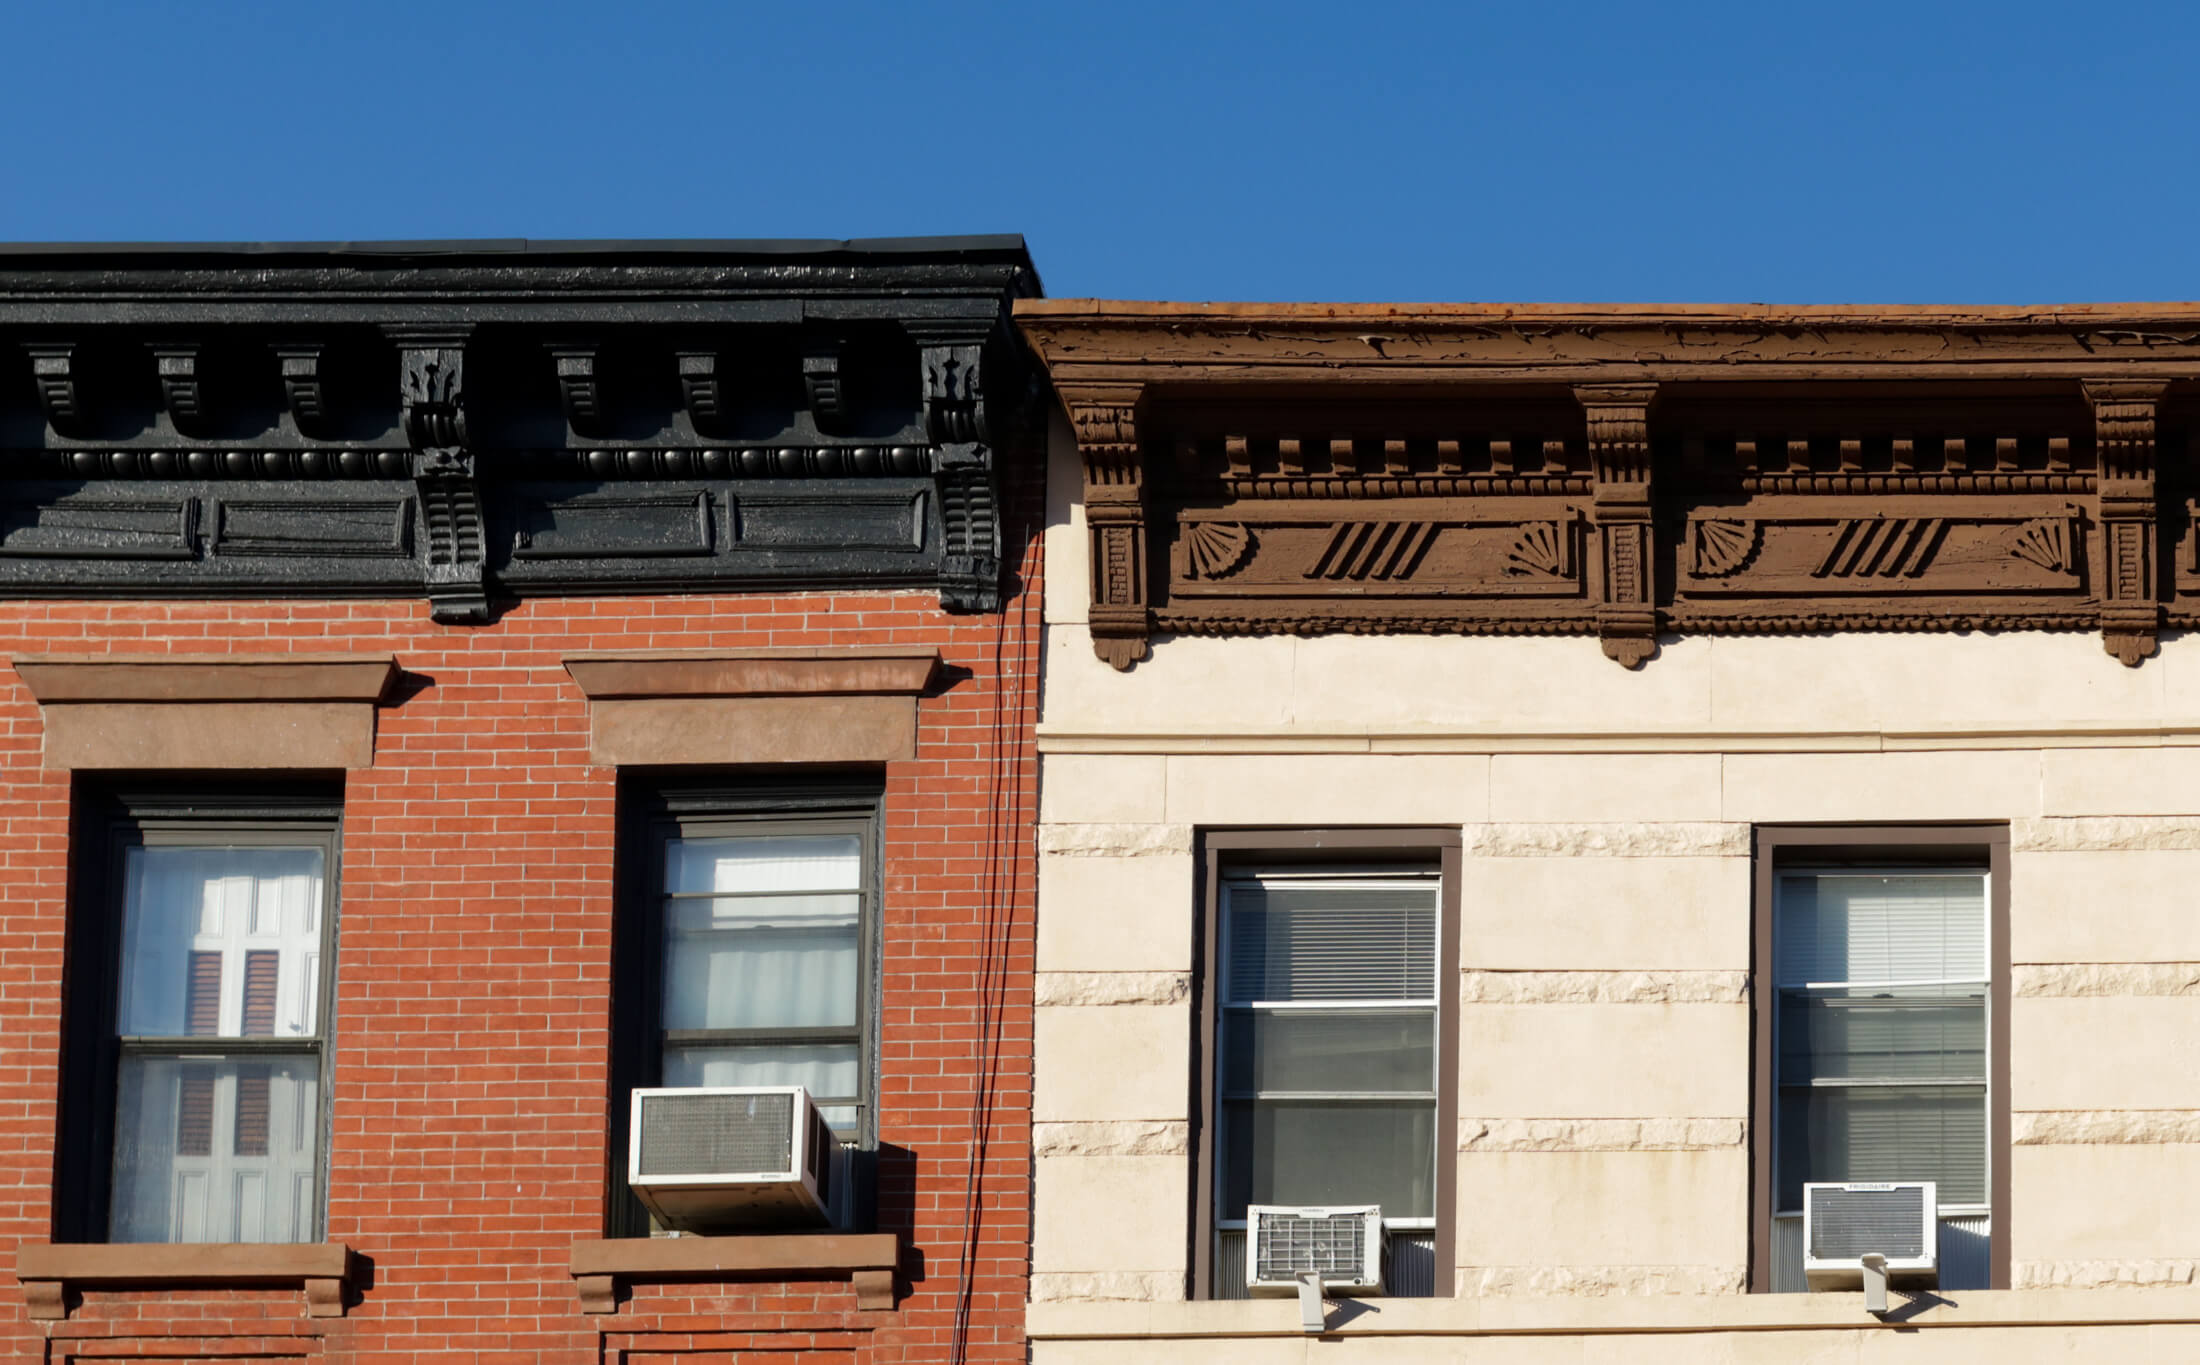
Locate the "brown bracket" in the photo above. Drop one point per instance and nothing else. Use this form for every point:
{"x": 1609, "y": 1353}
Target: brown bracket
{"x": 1105, "y": 419}
{"x": 2128, "y": 510}
{"x": 1619, "y": 451}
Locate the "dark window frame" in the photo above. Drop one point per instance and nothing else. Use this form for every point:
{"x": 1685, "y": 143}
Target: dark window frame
{"x": 107, "y": 819}
{"x": 1222, "y": 850}
{"x": 653, "y": 807}
{"x": 1925, "y": 845}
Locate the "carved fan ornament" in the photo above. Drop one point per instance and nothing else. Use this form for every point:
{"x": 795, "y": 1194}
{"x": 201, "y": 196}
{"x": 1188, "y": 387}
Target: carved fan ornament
{"x": 2045, "y": 542}
{"x": 1540, "y": 549}
{"x": 1216, "y": 549}
{"x": 1725, "y": 546}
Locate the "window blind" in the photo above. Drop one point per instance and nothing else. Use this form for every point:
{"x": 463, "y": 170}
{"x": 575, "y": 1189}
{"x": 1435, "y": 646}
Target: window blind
{"x": 1869, "y": 928}
{"x": 1896, "y": 1133}
{"x": 1877, "y": 1080}
{"x": 1312, "y": 942}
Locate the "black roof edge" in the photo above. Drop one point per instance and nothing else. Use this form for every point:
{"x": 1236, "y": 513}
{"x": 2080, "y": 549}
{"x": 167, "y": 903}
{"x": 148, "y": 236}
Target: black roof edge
{"x": 1007, "y": 244}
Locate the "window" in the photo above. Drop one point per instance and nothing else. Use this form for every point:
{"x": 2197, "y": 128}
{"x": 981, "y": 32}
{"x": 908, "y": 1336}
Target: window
{"x": 199, "y": 1048}
{"x": 750, "y": 950}
{"x": 1331, "y": 1052}
{"x": 1884, "y": 1028}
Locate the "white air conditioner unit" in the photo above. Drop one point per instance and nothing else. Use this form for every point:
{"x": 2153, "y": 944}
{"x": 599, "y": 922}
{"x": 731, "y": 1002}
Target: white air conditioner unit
{"x": 1842, "y": 1224}
{"x": 1343, "y": 1245}
{"x": 716, "y": 1158}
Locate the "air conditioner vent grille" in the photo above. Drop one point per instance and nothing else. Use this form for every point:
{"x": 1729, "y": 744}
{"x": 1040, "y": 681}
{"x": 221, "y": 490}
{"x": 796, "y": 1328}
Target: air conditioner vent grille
{"x": 708, "y": 1134}
{"x": 1292, "y": 1244}
{"x": 1846, "y": 1223}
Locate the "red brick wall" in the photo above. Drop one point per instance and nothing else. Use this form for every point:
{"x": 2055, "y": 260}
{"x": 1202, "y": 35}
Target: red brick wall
{"x": 474, "y": 960}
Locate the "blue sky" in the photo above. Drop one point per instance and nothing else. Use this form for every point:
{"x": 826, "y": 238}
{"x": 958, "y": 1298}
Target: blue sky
{"x": 1974, "y": 153}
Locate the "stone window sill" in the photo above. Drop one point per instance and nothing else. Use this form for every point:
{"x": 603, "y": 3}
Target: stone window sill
{"x": 49, "y": 1271}
{"x": 867, "y": 1259}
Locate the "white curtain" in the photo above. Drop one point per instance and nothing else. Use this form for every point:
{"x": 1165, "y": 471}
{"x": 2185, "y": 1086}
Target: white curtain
{"x": 762, "y": 932}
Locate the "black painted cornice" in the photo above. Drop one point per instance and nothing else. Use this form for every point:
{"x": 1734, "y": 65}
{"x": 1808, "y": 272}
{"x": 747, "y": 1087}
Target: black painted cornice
{"x": 481, "y": 420}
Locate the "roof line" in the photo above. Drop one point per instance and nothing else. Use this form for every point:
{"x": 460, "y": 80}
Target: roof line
{"x": 985, "y": 244}
{"x": 1126, "y": 310}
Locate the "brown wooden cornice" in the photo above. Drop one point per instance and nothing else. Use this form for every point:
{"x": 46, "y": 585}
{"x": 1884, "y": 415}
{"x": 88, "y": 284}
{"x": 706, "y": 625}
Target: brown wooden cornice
{"x": 1624, "y": 470}
{"x": 1585, "y": 343}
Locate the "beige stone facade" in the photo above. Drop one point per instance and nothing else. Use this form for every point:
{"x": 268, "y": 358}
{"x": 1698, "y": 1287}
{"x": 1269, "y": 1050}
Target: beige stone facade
{"x": 1602, "y": 1154}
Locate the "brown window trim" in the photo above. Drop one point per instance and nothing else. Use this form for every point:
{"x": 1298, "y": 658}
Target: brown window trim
{"x": 1953, "y": 840}
{"x": 753, "y": 706}
{"x": 49, "y": 1271}
{"x": 868, "y": 1260}
{"x": 1222, "y": 847}
{"x": 196, "y": 711}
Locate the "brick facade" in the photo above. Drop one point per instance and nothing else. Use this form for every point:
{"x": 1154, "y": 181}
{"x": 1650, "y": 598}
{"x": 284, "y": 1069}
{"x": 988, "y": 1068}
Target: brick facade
{"x": 471, "y": 1018}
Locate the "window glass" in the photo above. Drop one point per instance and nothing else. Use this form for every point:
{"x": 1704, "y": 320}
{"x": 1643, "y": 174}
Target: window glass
{"x": 1301, "y": 1152}
{"x": 1326, "y": 1067}
{"x": 762, "y": 863}
{"x": 1303, "y": 941}
{"x": 217, "y": 1081}
{"x": 220, "y": 942}
{"x": 1880, "y": 1032}
{"x": 1389, "y": 1050}
{"x": 832, "y": 1071}
{"x": 763, "y": 964}
{"x": 216, "y": 1150}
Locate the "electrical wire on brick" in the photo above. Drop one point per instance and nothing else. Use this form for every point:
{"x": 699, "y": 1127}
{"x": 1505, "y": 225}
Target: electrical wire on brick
{"x": 1011, "y": 734}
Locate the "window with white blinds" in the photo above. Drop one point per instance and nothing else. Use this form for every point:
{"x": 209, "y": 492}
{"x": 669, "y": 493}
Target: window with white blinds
{"x": 763, "y": 980}
{"x": 1880, "y": 1031}
{"x": 1326, "y": 1067}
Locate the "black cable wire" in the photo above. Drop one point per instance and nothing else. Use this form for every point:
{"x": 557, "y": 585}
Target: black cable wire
{"x": 1002, "y": 883}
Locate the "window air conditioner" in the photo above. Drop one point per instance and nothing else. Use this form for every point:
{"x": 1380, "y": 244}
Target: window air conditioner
{"x": 1844, "y": 1223}
{"x": 723, "y": 1157}
{"x": 1343, "y": 1245}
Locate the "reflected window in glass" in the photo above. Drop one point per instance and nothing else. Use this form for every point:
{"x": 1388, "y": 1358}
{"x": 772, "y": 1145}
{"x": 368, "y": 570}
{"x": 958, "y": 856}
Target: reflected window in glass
{"x": 218, "y": 1035}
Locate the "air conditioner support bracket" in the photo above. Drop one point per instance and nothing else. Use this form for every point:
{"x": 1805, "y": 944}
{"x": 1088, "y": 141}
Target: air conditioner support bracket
{"x": 1311, "y": 1315}
{"x": 1875, "y": 1282}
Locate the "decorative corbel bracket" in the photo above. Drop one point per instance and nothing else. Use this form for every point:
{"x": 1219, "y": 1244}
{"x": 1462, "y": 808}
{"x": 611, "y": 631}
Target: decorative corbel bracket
{"x": 699, "y": 389}
{"x": 303, "y": 387}
{"x": 53, "y": 368}
{"x": 953, "y": 357}
{"x": 1105, "y": 420}
{"x": 182, "y": 392}
{"x": 433, "y": 407}
{"x": 954, "y": 392}
{"x": 1621, "y": 510}
{"x": 2127, "y": 507}
{"x": 822, "y": 386}
{"x": 576, "y": 363}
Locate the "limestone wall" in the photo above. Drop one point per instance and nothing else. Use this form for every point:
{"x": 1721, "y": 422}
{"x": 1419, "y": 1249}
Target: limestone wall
{"x": 1603, "y": 998}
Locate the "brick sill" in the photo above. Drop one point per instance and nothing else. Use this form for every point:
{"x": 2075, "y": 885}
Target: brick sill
{"x": 867, "y": 1259}
{"x": 48, "y": 1271}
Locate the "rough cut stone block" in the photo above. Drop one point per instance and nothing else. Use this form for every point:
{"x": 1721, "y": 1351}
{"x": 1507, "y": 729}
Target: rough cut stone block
{"x": 1122, "y": 1137}
{"x": 1112, "y": 988}
{"x": 1664, "y": 839}
{"x": 1603, "y": 988}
